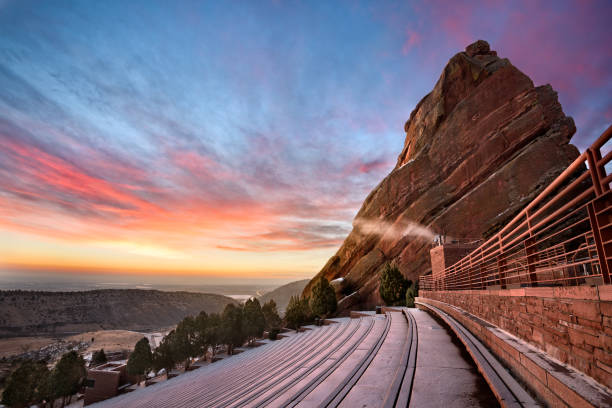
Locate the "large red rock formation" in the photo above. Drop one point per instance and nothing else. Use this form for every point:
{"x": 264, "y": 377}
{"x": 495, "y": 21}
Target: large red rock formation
{"x": 478, "y": 148}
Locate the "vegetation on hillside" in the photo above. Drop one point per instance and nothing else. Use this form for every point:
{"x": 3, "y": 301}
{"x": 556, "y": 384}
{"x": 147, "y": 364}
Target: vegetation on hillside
{"x": 26, "y": 313}
{"x": 200, "y": 336}
{"x": 33, "y": 383}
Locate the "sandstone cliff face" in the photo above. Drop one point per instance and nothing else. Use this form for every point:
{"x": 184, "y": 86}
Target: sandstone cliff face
{"x": 478, "y": 148}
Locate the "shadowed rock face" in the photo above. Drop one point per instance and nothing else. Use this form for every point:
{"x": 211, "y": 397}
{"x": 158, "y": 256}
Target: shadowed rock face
{"x": 478, "y": 148}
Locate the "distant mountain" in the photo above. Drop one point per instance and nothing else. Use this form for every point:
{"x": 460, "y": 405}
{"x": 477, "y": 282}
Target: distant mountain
{"x": 25, "y": 313}
{"x": 282, "y": 294}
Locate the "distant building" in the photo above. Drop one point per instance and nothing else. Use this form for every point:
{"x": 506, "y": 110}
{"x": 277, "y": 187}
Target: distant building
{"x": 106, "y": 381}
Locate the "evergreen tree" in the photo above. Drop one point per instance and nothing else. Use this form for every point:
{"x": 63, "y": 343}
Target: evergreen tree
{"x": 27, "y": 385}
{"x": 163, "y": 356}
{"x": 308, "y": 317}
{"x": 141, "y": 359}
{"x": 393, "y": 286}
{"x": 232, "y": 332}
{"x": 270, "y": 312}
{"x": 323, "y": 299}
{"x": 98, "y": 357}
{"x": 253, "y": 322}
{"x": 68, "y": 375}
{"x": 186, "y": 340}
{"x": 201, "y": 324}
{"x": 214, "y": 332}
{"x": 298, "y": 312}
{"x": 412, "y": 293}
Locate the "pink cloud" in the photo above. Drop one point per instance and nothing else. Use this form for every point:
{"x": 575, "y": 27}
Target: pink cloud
{"x": 412, "y": 39}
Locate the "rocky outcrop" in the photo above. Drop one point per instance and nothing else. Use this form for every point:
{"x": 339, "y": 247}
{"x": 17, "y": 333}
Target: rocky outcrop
{"x": 478, "y": 148}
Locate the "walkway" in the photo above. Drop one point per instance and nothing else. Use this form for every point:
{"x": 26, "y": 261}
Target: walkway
{"x": 444, "y": 366}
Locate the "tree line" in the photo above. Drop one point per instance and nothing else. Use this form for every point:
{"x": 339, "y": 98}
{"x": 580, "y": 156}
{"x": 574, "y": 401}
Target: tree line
{"x": 236, "y": 325}
{"x": 201, "y": 336}
{"x": 33, "y": 383}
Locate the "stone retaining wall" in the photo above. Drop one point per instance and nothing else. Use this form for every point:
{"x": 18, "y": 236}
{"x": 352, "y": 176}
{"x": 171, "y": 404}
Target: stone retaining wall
{"x": 570, "y": 324}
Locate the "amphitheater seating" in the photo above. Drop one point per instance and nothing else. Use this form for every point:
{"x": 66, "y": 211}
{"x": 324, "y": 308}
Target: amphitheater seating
{"x": 333, "y": 365}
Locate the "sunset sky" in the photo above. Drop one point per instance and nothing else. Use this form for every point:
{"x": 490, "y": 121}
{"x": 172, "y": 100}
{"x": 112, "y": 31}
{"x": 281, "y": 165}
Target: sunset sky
{"x": 238, "y": 139}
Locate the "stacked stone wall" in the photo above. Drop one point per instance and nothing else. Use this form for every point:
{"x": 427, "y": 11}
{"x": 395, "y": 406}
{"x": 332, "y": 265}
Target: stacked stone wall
{"x": 570, "y": 324}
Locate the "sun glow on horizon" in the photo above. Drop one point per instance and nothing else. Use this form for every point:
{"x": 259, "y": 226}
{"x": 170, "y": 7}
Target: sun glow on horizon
{"x": 172, "y": 138}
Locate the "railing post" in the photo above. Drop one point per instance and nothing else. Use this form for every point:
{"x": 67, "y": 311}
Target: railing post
{"x": 532, "y": 260}
{"x": 482, "y": 276}
{"x": 604, "y": 263}
{"x": 501, "y": 268}
{"x": 601, "y": 170}
{"x": 594, "y": 171}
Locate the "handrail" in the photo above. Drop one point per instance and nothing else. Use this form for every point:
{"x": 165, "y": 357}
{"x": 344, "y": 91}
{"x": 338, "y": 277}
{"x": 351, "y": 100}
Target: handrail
{"x": 572, "y": 215}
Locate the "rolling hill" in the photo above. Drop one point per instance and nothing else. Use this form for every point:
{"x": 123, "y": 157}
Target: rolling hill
{"x": 282, "y": 294}
{"x": 31, "y": 313}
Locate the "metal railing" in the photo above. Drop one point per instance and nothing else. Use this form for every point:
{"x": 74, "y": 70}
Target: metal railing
{"x": 563, "y": 237}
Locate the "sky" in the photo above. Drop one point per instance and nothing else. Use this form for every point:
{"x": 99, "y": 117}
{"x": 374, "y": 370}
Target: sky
{"x": 237, "y": 140}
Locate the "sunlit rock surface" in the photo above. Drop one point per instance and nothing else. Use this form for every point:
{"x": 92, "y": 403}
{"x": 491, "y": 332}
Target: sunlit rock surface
{"x": 482, "y": 144}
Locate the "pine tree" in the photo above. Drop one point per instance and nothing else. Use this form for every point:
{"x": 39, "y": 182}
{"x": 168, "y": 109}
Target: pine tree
{"x": 163, "y": 356}
{"x": 253, "y": 321}
{"x": 186, "y": 340}
{"x": 298, "y": 312}
{"x": 232, "y": 332}
{"x": 393, "y": 286}
{"x": 27, "y": 385}
{"x": 214, "y": 332}
{"x": 201, "y": 323}
{"x": 270, "y": 312}
{"x": 141, "y": 359}
{"x": 323, "y": 299}
{"x": 68, "y": 375}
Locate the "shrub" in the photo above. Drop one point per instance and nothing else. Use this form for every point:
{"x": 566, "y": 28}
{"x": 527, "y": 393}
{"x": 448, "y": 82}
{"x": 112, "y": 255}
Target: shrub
{"x": 99, "y": 357}
{"x": 411, "y": 293}
{"x": 393, "y": 286}
{"x": 273, "y": 334}
{"x": 323, "y": 299}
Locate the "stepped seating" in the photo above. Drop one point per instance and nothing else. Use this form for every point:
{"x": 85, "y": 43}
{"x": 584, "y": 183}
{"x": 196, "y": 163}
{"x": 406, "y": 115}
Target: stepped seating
{"x": 321, "y": 366}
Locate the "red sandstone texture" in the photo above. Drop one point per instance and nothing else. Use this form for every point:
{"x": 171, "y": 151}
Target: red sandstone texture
{"x": 478, "y": 148}
{"x": 571, "y": 324}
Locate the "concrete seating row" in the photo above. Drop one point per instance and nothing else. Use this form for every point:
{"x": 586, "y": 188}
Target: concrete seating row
{"x": 328, "y": 365}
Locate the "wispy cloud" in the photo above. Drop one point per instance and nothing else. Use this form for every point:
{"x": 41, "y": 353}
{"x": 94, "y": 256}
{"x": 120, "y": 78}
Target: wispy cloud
{"x": 170, "y": 128}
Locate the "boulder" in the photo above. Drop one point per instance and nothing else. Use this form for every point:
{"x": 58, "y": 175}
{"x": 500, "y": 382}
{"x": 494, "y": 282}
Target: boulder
{"x": 478, "y": 148}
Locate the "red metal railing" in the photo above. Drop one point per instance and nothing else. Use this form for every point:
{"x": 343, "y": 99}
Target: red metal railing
{"x": 563, "y": 237}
